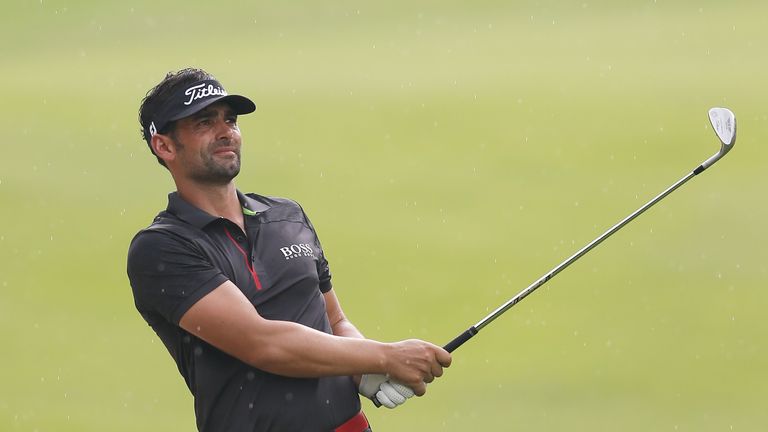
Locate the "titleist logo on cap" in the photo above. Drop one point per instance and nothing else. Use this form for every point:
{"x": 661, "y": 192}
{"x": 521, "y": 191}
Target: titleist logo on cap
{"x": 185, "y": 101}
{"x": 203, "y": 90}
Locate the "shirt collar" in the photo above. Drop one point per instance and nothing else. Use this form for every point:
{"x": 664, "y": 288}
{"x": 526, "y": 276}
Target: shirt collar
{"x": 199, "y": 218}
{"x": 251, "y": 206}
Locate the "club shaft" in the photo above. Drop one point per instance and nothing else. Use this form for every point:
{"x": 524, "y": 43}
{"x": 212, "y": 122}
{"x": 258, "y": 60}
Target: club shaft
{"x": 459, "y": 340}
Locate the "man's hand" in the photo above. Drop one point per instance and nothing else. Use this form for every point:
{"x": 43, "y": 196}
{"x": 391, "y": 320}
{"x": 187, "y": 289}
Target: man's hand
{"x": 370, "y": 384}
{"x": 384, "y": 391}
{"x": 415, "y": 363}
{"x": 410, "y": 365}
{"x": 393, "y": 394}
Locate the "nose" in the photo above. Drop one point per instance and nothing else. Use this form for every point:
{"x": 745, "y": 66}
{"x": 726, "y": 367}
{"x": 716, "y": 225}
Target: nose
{"x": 226, "y": 130}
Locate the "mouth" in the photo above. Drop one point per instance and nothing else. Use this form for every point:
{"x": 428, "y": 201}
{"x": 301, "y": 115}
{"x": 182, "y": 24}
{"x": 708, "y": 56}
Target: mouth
{"x": 226, "y": 151}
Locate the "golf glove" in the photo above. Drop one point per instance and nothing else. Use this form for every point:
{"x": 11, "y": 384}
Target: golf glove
{"x": 393, "y": 394}
{"x": 388, "y": 393}
{"x": 370, "y": 384}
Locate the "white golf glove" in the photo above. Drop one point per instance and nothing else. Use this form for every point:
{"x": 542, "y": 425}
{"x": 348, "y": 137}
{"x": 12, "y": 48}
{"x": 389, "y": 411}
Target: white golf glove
{"x": 393, "y": 394}
{"x": 388, "y": 393}
{"x": 370, "y": 384}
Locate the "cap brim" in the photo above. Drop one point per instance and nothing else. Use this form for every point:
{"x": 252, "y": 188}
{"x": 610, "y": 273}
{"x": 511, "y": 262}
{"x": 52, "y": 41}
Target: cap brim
{"x": 240, "y": 104}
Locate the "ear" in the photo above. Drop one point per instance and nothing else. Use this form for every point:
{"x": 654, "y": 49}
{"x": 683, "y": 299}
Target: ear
{"x": 164, "y": 147}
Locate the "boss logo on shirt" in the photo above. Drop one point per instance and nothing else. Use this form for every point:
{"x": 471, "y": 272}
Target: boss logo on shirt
{"x": 297, "y": 250}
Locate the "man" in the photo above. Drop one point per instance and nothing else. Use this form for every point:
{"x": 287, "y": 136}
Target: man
{"x": 239, "y": 290}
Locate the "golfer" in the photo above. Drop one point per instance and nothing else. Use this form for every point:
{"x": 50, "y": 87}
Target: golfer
{"x": 239, "y": 290}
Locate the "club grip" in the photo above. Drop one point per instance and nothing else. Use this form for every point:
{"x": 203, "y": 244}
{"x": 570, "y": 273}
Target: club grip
{"x": 460, "y": 339}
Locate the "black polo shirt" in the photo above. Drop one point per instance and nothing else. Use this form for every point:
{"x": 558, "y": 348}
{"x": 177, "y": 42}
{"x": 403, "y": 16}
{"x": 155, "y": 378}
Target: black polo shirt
{"x": 279, "y": 265}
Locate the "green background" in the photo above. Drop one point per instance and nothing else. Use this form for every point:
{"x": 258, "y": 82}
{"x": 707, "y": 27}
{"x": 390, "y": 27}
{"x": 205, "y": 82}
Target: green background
{"x": 449, "y": 153}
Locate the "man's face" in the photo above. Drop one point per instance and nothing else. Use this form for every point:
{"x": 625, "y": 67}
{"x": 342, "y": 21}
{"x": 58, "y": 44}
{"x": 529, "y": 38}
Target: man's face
{"x": 208, "y": 144}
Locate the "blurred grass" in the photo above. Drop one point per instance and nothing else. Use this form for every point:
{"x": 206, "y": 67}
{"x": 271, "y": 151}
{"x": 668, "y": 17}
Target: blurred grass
{"x": 449, "y": 155}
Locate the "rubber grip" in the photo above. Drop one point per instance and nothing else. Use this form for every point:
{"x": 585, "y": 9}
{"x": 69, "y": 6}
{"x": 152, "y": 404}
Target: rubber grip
{"x": 460, "y": 339}
{"x": 375, "y": 401}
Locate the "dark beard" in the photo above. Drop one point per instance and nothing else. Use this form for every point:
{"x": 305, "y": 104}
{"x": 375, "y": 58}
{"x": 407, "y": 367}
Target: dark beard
{"x": 213, "y": 173}
{"x": 217, "y": 173}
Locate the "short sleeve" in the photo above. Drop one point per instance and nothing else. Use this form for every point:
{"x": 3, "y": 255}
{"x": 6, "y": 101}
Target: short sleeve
{"x": 169, "y": 274}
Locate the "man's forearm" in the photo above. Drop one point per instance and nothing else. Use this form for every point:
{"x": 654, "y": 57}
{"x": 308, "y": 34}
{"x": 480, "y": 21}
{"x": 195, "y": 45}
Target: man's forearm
{"x": 340, "y": 325}
{"x": 295, "y": 350}
{"x": 226, "y": 319}
{"x": 345, "y": 328}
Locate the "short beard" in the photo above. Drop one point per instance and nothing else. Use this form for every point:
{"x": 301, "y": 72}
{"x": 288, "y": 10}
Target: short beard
{"x": 212, "y": 173}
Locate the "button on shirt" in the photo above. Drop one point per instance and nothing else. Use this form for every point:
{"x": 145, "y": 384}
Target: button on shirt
{"x": 278, "y": 263}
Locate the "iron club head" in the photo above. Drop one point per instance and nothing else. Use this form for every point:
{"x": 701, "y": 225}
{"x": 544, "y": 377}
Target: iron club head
{"x": 724, "y": 123}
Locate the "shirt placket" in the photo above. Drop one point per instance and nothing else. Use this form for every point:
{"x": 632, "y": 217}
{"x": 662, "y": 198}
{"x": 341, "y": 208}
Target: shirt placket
{"x": 240, "y": 241}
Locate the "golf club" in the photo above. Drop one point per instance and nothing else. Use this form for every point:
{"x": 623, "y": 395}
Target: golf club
{"x": 724, "y": 123}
